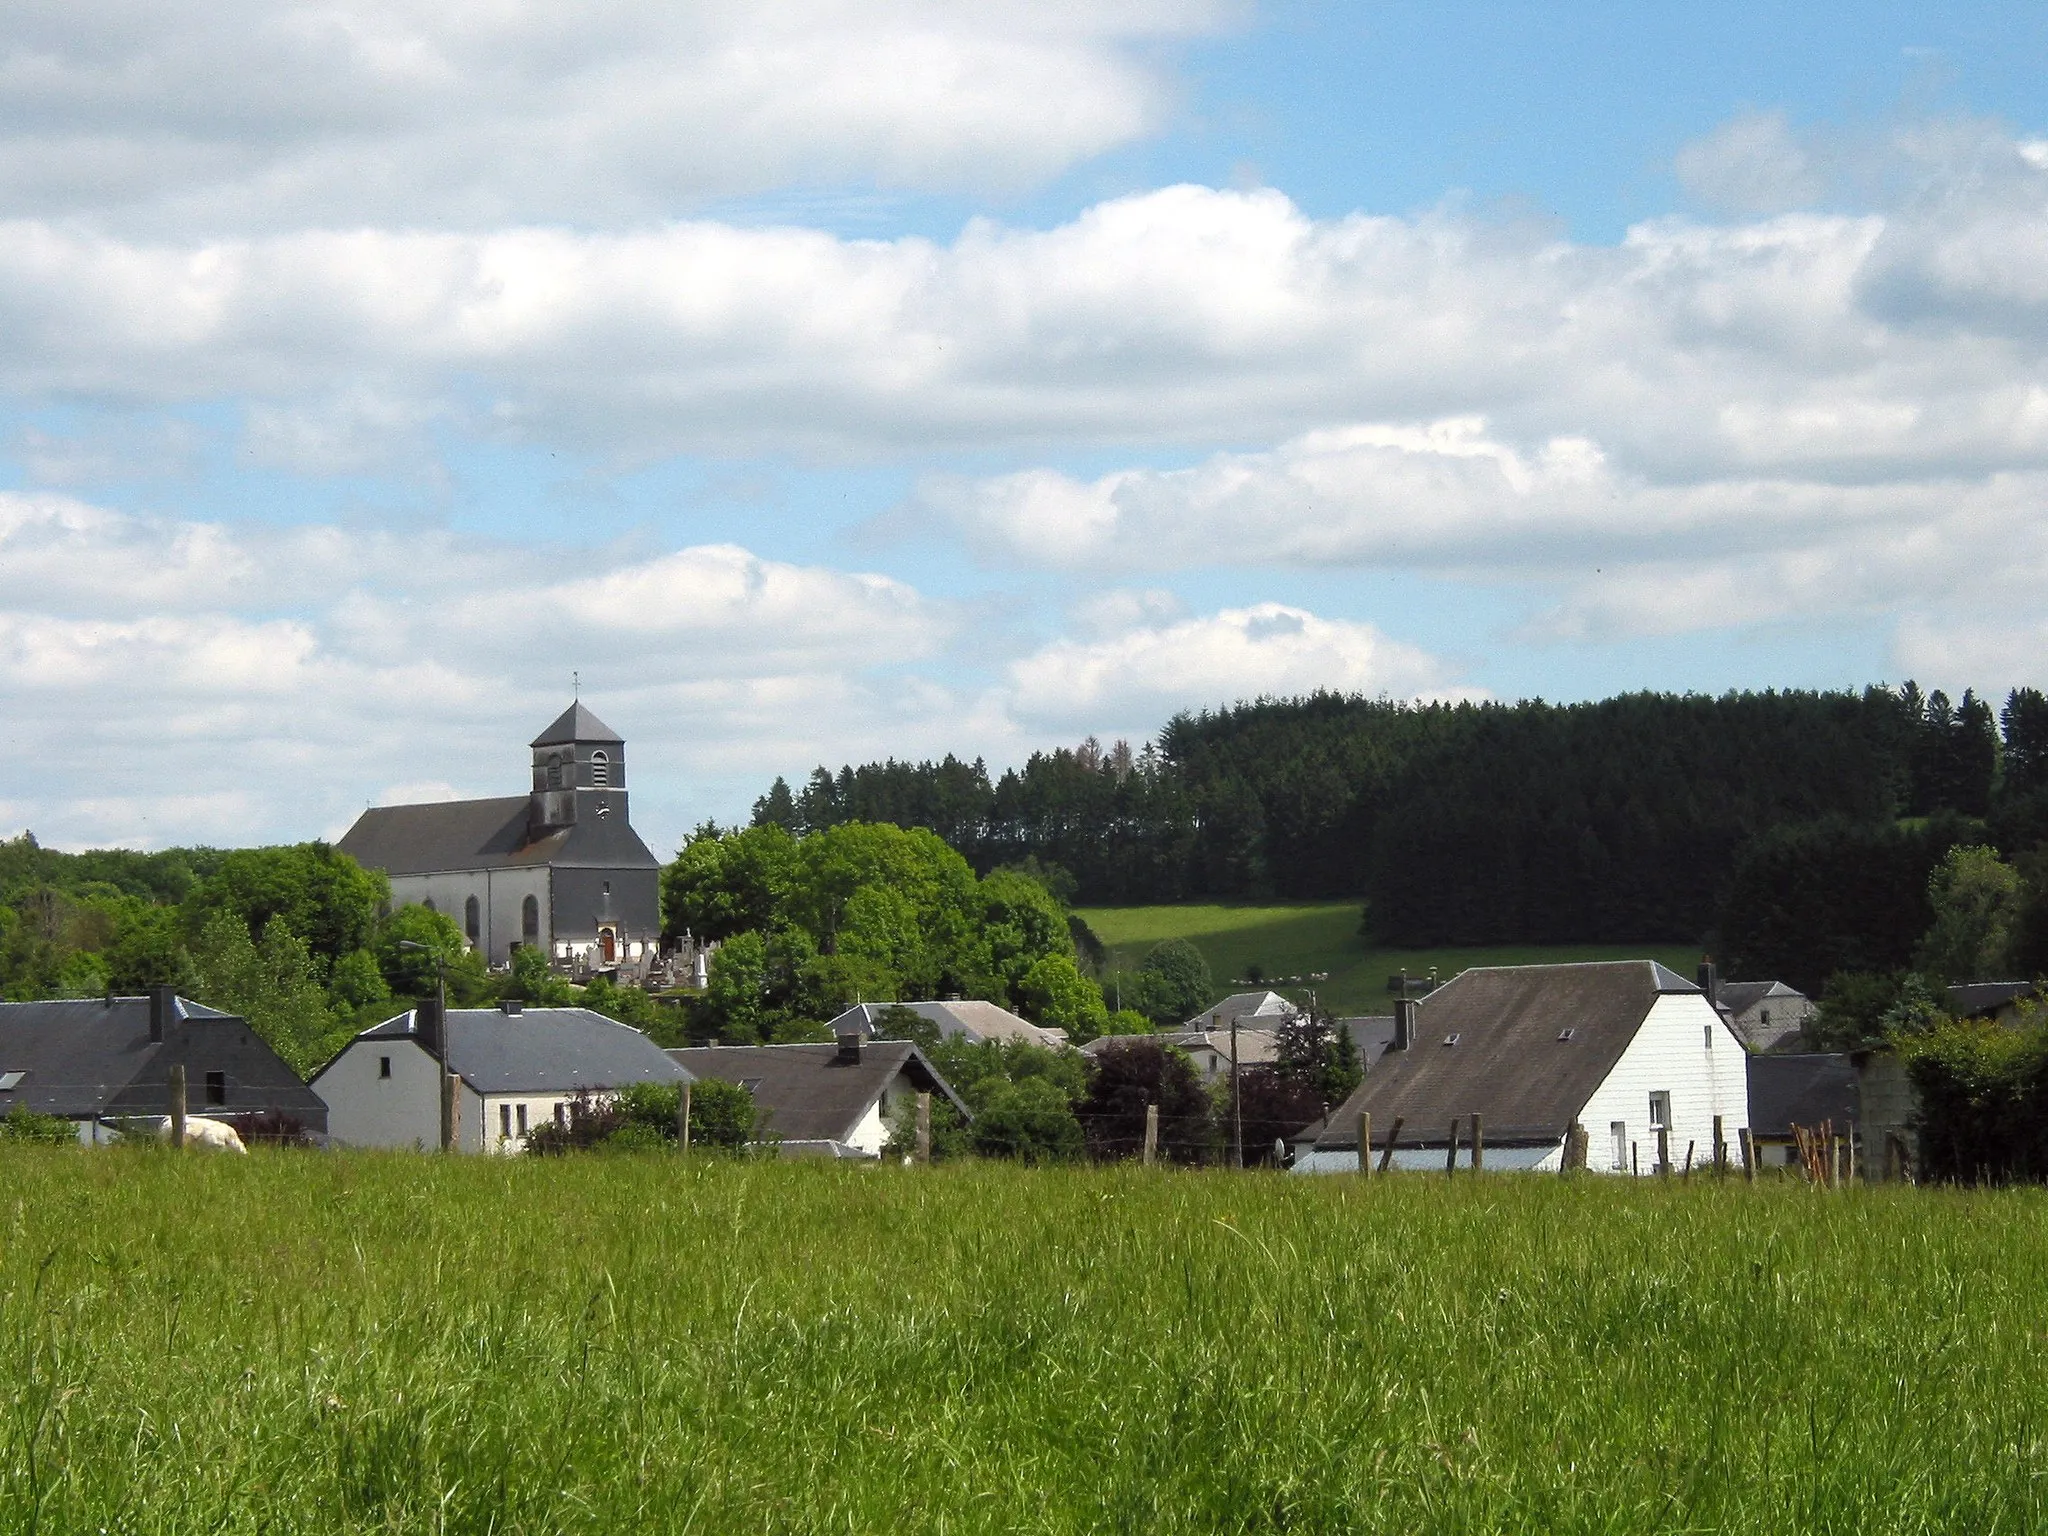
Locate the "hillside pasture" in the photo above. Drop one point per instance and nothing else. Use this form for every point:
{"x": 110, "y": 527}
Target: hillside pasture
{"x": 1298, "y": 938}
{"x": 307, "y": 1343}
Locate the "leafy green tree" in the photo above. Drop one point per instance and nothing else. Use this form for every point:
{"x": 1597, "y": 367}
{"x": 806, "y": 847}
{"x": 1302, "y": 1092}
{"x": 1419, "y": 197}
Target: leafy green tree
{"x": 321, "y": 894}
{"x": 1030, "y": 1120}
{"x": 1174, "y": 982}
{"x": 411, "y": 973}
{"x": 357, "y": 985}
{"x": 532, "y": 980}
{"x": 1976, "y": 900}
{"x": 735, "y": 991}
{"x": 1315, "y": 1050}
{"x": 1057, "y": 995}
{"x": 726, "y": 883}
{"x": 722, "y": 1114}
{"x": 273, "y": 984}
{"x": 1023, "y": 923}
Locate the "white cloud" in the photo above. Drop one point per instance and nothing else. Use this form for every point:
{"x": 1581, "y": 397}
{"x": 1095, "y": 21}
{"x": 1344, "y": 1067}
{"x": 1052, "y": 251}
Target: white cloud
{"x": 1752, "y": 164}
{"x": 1136, "y": 679}
{"x": 236, "y": 114}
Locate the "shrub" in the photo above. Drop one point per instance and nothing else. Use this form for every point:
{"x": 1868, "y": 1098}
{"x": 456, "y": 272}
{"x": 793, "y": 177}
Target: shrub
{"x": 25, "y": 1125}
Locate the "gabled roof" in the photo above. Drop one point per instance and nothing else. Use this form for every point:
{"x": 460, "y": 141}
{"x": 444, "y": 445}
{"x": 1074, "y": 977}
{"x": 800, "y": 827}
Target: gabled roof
{"x": 1243, "y": 1005}
{"x": 576, "y": 724}
{"x": 537, "y": 1050}
{"x": 1976, "y": 998}
{"x": 1803, "y": 1089}
{"x": 1741, "y": 996}
{"x": 969, "y": 1018}
{"x": 808, "y": 1093}
{"x": 1508, "y": 1063}
{"x": 93, "y": 1056}
{"x": 1371, "y": 1034}
{"x": 485, "y": 834}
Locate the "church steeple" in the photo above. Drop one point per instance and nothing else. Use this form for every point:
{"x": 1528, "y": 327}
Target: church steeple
{"x": 579, "y": 769}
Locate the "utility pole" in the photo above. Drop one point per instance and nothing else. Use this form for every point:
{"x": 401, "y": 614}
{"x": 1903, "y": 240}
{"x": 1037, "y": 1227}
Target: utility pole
{"x": 1236, "y": 1107}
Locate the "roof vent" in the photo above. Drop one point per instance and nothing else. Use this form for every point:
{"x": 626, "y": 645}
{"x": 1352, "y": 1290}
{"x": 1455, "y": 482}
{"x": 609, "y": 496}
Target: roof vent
{"x": 512, "y": 1005}
{"x": 1565, "y": 1034}
{"x": 1450, "y": 1039}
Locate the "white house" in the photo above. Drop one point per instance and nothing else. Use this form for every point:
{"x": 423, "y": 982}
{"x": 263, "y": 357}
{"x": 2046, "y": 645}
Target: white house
{"x": 518, "y": 1067}
{"x": 824, "y": 1100}
{"x": 1765, "y": 1015}
{"x": 1624, "y": 1048}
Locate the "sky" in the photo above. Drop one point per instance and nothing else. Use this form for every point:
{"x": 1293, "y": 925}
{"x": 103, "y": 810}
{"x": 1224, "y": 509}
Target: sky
{"x": 824, "y": 381}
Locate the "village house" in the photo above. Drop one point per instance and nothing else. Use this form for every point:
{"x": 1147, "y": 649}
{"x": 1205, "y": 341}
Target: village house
{"x": 1209, "y": 1049}
{"x": 957, "y": 1019}
{"x": 98, "y": 1060}
{"x": 1765, "y": 1015}
{"x": 824, "y": 1100}
{"x": 1628, "y": 1050}
{"x": 559, "y": 868}
{"x": 517, "y": 1067}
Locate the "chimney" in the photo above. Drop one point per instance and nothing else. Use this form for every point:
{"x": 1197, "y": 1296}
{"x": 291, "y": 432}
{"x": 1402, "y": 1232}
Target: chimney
{"x": 1710, "y": 983}
{"x": 1404, "y": 1023}
{"x": 512, "y": 1006}
{"x": 163, "y": 1009}
{"x": 849, "y": 1048}
{"x": 427, "y": 1021}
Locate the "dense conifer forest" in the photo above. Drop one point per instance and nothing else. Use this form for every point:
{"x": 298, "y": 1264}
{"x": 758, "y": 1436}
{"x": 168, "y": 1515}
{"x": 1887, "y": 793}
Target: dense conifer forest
{"x": 1632, "y": 819}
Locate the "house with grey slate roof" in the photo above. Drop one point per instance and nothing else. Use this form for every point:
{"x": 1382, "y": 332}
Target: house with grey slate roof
{"x": 1765, "y": 1015}
{"x": 559, "y": 868}
{"x": 518, "y": 1067}
{"x": 1625, "y": 1048}
{"x": 956, "y": 1018}
{"x": 824, "y": 1100}
{"x": 98, "y": 1060}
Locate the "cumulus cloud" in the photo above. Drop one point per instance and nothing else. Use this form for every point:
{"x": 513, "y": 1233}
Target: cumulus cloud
{"x": 1135, "y": 679}
{"x": 241, "y": 115}
{"x": 175, "y": 680}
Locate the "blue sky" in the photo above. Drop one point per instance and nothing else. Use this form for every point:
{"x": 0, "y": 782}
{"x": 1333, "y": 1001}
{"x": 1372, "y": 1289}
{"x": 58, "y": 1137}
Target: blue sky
{"x": 826, "y": 381}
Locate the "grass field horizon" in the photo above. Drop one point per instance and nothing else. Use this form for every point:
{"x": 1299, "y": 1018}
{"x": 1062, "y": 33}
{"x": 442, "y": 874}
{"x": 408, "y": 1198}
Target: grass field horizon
{"x": 1298, "y": 938}
{"x": 397, "y": 1342}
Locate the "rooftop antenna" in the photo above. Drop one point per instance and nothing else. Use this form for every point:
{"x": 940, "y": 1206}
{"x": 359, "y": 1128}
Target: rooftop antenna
{"x": 575, "y": 685}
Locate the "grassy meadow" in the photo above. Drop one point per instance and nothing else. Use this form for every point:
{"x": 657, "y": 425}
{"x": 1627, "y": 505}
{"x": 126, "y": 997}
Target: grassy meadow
{"x": 297, "y": 1342}
{"x": 1296, "y": 938}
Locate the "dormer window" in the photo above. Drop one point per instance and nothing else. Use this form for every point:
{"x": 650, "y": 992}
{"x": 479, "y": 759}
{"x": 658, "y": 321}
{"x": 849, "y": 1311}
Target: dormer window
{"x": 600, "y": 769}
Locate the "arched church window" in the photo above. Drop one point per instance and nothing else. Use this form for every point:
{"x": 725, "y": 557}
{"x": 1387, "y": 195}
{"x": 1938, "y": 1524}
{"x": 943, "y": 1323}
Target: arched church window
{"x": 600, "y": 769}
{"x": 472, "y": 919}
{"x": 529, "y": 920}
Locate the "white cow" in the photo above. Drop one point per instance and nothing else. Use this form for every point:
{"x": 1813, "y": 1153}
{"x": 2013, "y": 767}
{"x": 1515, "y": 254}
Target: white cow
{"x": 214, "y": 1135}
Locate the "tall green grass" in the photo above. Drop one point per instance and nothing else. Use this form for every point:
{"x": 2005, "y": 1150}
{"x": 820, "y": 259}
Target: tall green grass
{"x": 1298, "y": 938}
{"x": 368, "y": 1343}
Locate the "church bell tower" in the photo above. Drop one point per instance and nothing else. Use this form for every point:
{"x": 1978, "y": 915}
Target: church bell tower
{"x": 579, "y": 774}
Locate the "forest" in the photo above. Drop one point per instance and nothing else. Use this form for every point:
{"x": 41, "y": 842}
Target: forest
{"x": 1794, "y": 830}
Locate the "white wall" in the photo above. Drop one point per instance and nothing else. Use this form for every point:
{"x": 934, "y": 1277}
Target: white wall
{"x": 1683, "y": 1048}
{"x": 367, "y": 1110}
{"x": 486, "y": 1115}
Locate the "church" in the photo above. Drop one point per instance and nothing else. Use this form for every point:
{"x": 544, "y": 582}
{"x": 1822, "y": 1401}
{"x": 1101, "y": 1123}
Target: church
{"x": 559, "y": 868}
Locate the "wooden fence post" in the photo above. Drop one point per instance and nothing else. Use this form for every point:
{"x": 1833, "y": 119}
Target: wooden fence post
{"x": 1635, "y": 1166}
{"x": 1720, "y": 1148}
{"x": 1691, "y": 1147}
{"x": 1365, "y": 1141}
{"x": 1478, "y": 1142}
{"x": 1748, "y": 1139}
{"x": 683, "y": 1120}
{"x": 1663, "y": 1151}
{"x": 178, "y": 1106}
{"x": 449, "y": 1082}
{"x": 1151, "y": 1133}
{"x": 1451, "y": 1157}
{"x": 1387, "y": 1157}
{"x": 1578, "y": 1144}
{"x": 924, "y": 1127}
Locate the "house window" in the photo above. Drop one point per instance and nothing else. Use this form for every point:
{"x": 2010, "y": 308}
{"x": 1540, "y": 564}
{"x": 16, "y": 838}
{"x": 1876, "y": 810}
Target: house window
{"x": 383, "y": 1066}
{"x": 504, "y": 1122}
{"x": 216, "y": 1087}
{"x": 600, "y": 770}
{"x": 1660, "y": 1111}
{"x": 1707, "y": 1030}
{"x": 529, "y": 920}
{"x": 472, "y": 919}
{"x": 522, "y": 1119}
{"x": 1620, "y": 1130}
{"x": 1765, "y": 1016}
{"x": 9, "y": 1081}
